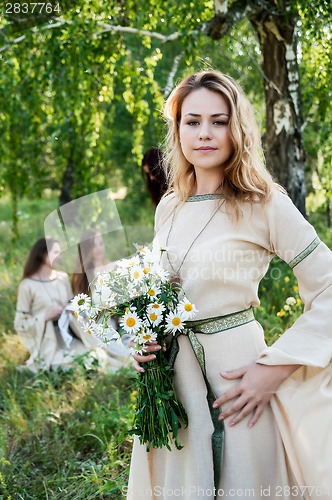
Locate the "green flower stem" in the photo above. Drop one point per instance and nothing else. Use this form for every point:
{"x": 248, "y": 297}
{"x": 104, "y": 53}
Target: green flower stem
{"x": 159, "y": 414}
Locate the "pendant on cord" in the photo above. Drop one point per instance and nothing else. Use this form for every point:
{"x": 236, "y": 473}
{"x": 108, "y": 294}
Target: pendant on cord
{"x": 176, "y": 279}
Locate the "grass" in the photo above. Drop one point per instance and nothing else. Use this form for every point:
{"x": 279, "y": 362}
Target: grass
{"x": 60, "y": 434}
{"x": 63, "y": 434}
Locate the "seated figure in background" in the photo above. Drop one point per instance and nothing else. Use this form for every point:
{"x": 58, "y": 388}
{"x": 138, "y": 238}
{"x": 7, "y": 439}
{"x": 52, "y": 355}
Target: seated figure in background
{"x": 43, "y": 294}
{"x": 91, "y": 261}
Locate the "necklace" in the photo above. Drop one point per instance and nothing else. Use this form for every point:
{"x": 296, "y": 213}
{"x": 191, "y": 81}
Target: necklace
{"x": 176, "y": 278}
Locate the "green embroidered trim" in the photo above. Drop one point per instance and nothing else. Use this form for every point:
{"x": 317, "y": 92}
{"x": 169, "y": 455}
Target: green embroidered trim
{"x": 307, "y": 251}
{"x": 203, "y": 197}
{"x": 221, "y": 323}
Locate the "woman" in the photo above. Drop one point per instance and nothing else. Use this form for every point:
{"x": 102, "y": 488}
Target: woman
{"x": 91, "y": 261}
{"x": 43, "y": 294}
{"x": 222, "y": 223}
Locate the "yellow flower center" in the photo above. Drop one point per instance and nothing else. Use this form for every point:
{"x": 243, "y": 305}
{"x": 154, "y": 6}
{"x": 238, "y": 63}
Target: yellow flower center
{"x": 146, "y": 337}
{"x": 156, "y": 306}
{"x": 130, "y": 322}
{"x": 136, "y": 275}
{"x": 146, "y": 270}
{"x": 188, "y": 307}
{"x": 153, "y": 316}
{"x": 151, "y": 292}
{"x": 176, "y": 321}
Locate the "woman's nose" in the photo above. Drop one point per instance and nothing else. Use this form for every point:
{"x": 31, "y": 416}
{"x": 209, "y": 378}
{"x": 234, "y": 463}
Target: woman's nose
{"x": 204, "y": 131}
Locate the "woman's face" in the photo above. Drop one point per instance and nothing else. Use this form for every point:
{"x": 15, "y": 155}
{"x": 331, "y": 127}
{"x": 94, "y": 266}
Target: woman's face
{"x": 52, "y": 257}
{"x": 203, "y": 130}
{"x": 98, "y": 251}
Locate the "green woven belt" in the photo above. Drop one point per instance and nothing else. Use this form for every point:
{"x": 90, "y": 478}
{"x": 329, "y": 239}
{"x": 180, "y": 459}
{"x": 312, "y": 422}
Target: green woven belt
{"x": 209, "y": 326}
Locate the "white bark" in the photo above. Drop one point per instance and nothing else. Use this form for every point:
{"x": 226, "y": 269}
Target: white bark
{"x": 293, "y": 85}
{"x": 170, "y": 80}
{"x": 282, "y": 117}
{"x": 220, "y": 6}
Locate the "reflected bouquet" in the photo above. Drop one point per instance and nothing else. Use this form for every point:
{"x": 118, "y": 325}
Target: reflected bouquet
{"x": 150, "y": 308}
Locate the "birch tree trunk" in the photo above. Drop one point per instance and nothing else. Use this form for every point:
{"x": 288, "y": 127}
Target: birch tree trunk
{"x": 283, "y": 138}
{"x": 276, "y": 31}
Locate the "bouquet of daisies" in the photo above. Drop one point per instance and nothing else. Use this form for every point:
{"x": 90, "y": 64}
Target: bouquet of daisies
{"x": 151, "y": 308}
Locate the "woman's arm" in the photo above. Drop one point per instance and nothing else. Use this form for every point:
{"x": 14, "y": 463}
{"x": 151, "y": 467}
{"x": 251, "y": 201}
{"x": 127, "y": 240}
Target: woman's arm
{"x": 309, "y": 340}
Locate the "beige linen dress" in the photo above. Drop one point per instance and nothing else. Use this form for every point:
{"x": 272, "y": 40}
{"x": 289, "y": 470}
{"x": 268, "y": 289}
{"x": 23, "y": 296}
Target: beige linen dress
{"x": 287, "y": 451}
{"x": 42, "y": 338}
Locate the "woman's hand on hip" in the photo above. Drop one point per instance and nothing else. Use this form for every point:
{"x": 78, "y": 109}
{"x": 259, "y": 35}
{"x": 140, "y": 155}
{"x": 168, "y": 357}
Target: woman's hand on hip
{"x": 151, "y": 347}
{"x": 257, "y": 384}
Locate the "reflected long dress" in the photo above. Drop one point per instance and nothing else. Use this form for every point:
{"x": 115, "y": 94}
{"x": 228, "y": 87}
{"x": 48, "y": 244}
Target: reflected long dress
{"x": 279, "y": 457}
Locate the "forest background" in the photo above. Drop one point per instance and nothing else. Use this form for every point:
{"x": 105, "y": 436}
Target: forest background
{"x": 82, "y": 85}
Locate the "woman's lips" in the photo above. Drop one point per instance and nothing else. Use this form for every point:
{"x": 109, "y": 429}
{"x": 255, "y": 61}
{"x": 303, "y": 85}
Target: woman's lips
{"x": 205, "y": 148}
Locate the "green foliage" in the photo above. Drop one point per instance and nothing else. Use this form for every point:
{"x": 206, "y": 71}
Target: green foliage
{"x": 81, "y": 96}
{"x": 316, "y": 75}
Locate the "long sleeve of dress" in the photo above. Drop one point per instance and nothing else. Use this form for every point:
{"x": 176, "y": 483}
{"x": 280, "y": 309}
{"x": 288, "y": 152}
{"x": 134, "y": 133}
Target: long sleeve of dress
{"x": 309, "y": 340}
{"x": 30, "y": 326}
{"x": 25, "y": 320}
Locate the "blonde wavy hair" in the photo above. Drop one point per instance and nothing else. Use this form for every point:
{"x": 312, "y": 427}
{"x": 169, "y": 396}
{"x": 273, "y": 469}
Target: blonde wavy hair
{"x": 246, "y": 178}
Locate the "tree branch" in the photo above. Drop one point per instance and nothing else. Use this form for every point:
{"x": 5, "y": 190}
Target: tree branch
{"x": 137, "y": 31}
{"x": 106, "y": 28}
{"x": 35, "y": 29}
{"x": 170, "y": 80}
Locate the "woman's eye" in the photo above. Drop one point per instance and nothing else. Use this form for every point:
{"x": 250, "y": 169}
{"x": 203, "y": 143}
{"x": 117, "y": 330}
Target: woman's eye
{"x": 192, "y": 123}
{"x": 220, "y": 123}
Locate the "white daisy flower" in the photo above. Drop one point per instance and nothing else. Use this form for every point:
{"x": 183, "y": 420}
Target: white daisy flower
{"x": 136, "y": 274}
{"x": 91, "y": 328}
{"x": 130, "y": 322}
{"x": 101, "y": 280}
{"x": 142, "y": 249}
{"x": 186, "y": 309}
{"x": 127, "y": 263}
{"x": 174, "y": 322}
{"x": 155, "y": 316}
{"x": 147, "y": 336}
{"x": 80, "y": 302}
{"x": 160, "y": 272}
{"x": 153, "y": 291}
{"x": 156, "y": 307}
{"x": 146, "y": 269}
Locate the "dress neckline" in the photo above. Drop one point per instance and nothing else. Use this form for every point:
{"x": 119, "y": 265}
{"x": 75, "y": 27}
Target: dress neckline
{"x": 203, "y": 197}
{"x": 43, "y": 281}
